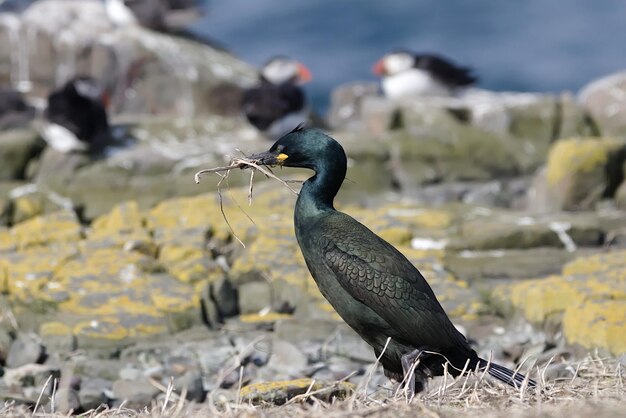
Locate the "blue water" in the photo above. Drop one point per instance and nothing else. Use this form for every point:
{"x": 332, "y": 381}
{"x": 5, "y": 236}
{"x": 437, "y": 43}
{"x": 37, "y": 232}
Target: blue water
{"x": 526, "y": 45}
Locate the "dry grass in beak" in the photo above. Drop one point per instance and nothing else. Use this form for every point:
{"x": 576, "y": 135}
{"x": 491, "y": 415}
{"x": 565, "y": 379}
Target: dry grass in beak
{"x": 224, "y": 172}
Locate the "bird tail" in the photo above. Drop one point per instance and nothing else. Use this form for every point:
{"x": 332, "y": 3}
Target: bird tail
{"x": 508, "y": 376}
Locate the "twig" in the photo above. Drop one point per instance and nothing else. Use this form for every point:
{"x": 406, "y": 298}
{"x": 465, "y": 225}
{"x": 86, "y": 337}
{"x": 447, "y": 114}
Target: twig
{"x": 41, "y": 394}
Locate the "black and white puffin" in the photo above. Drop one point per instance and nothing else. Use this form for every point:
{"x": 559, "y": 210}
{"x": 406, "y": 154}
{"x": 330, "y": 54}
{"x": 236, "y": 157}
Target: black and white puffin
{"x": 76, "y": 118}
{"x": 406, "y": 74}
{"x": 277, "y": 104}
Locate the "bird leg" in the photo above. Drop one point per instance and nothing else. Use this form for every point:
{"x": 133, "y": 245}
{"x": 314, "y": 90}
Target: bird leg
{"x": 408, "y": 360}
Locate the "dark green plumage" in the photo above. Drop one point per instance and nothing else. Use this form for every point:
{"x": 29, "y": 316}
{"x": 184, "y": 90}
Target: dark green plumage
{"x": 371, "y": 285}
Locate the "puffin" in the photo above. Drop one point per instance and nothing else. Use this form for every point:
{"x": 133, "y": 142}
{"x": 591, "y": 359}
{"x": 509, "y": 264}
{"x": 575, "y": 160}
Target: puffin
{"x": 76, "y": 118}
{"x": 407, "y": 74}
{"x": 375, "y": 289}
{"x": 277, "y": 104}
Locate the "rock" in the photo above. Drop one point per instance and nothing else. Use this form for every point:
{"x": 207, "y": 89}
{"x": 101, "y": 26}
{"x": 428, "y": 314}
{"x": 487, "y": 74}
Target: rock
{"x": 188, "y": 263}
{"x": 536, "y": 118}
{"x": 67, "y": 401}
{"x": 55, "y": 228}
{"x": 17, "y": 148}
{"x": 91, "y": 393}
{"x": 286, "y": 359}
{"x": 135, "y": 394}
{"x": 225, "y": 296}
{"x": 254, "y": 297}
{"x": 297, "y": 331}
{"x": 589, "y": 295}
{"x": 5, "y": 345}
{"x": 32, "y": 379}
{"x": 579, "y": 173}
{"x": 508, "y": 264}
{"x": 379, "y": 115}
{"x": 558, "y": 371}
{"x": 346, "y": 104}
{"x": 123, "y": 228}
{"x": 279, "y": 392}
{"x": 598, "y": 323}
{"x": 26, "y": 349}
{"x": 620, "y": 196}
{"x": 603, "y": 100}
{"x": 57, "y": 337}
{"x": 191, "y": 383}
{"x": 167, "y": 74}
{"x": 105, "y": 369}
{"x": 488, "y": 229}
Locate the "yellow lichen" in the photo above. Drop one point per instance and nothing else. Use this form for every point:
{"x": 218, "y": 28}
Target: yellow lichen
{"x": 7, "y": 242}
{"x": 598, "y": 263}
{"x": 58, "y": 227}
{"x": 268, "y": 317}
{"x": 102, "y": 329}
{"x": 578, "y": 155}
{"x": 597, "y": 323}
{"x": 54, "y": 328}
{"x": 265, "y": 387}
{"x": 27, "y": 207}
{"x": 123, "y": 218}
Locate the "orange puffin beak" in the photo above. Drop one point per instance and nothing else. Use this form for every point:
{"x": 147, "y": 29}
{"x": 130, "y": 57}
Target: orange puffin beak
{"x": 379, "y": 68}
{"x": 304, "y": 73}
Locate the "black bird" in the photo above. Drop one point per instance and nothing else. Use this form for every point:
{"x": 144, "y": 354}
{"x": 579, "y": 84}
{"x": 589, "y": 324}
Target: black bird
{"x": 277, "y": 104}
{"x": 371, "y": 285}
{"x": 406, "y": 74}
{"x": 76, "y": 117}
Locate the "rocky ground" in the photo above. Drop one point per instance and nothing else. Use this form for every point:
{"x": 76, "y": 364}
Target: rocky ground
{"x": 125, "y": 284}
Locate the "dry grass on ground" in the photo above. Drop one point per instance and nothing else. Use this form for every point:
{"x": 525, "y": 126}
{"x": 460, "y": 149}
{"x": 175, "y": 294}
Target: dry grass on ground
{"x": 596, "y": 391}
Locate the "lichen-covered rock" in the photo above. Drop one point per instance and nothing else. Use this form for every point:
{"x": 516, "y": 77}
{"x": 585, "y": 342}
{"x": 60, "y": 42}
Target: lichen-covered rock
{"x": 508, "y": 264}
{"x": 166, "y": 74}
{"x": 55, "y": 228}
{"x": 280, "y": 392}
{"x": 537, "y": 118}
{"x": 579, "y": 173}
{"x": 121, "y": 228}
{"x": 589, "y": 295}
{"x": 620, "y": 196}
{"x": 597, "y": 323}
{"x": 17, "y": 148}
{"x": 346, "y": 105}
{"x": 488, "y": 229}
{"x": 604, "y": 101}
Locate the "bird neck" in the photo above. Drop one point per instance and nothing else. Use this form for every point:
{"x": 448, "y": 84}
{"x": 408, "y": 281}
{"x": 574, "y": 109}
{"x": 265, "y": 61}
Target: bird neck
{"x": 318, "y": 192}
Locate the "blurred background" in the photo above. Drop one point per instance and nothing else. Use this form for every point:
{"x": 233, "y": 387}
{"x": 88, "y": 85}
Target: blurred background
{"x": 530, "y": 45}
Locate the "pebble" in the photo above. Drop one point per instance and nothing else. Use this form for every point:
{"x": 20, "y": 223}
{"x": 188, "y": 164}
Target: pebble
{"x": 26, "y": 349}
{"x": 136, "y": 393}
{"x": 287, "y": 359}
{"x": 92, "y": 392}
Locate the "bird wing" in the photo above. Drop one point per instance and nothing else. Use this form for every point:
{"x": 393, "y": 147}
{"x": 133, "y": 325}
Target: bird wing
{"x": 267, "y": 103}
{"x": 446, "y": 71}
{"x": 379, "y": 276}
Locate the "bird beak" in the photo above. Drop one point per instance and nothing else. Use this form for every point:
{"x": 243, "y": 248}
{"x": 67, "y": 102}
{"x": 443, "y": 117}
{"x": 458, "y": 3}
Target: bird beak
{"x": 379, "y": 68}
{"x": 304, "y": 74}
{"x": 268, "y": 158}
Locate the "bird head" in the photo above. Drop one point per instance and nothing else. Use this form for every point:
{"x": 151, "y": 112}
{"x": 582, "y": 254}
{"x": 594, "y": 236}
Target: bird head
{"x": 394, "y": 63}
{"x": 307, "y": 148}
{"x": 280, "y": 70}
{"x": 87, "y": 88}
